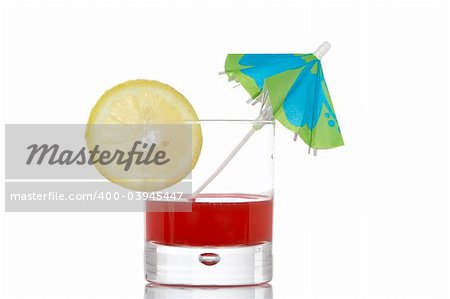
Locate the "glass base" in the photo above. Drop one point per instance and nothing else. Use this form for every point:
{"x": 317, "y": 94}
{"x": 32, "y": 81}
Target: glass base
{"x": 208, "y": 266}
{"x": 156, "y": 291}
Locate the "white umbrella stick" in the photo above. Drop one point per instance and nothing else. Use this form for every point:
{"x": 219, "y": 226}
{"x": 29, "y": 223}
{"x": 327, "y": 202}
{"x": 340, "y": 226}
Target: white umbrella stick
{"x": 225, "y": 162}
{"x": 322, "y": 50}
{"x": 319, "y": 53}
{"x": 264, "y": 114}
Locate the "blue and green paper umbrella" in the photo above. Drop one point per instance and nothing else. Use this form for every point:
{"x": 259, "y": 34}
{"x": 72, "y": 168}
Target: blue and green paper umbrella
{"x": 295, "y": 88}
{"x": 291, "y": 88}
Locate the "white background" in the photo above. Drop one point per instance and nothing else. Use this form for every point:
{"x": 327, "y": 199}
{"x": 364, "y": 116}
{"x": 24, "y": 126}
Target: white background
{"x": 368, "y": 220}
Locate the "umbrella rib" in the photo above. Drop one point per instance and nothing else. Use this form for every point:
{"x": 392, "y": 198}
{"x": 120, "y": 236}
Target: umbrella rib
{"x": 314, "y": 112}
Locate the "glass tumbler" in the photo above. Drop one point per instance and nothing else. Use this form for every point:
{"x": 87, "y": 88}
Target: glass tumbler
{"x": 221, "y": 233}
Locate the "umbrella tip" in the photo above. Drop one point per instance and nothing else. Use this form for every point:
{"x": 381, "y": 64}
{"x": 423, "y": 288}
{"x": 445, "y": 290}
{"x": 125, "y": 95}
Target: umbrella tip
{"x": 322, "y": 50}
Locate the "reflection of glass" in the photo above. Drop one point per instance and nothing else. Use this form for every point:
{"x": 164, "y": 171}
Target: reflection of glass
{"x": 154, "y": 291}
{"x": 223, "y": 235}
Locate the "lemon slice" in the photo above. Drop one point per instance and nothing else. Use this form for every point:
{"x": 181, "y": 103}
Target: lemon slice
{"x": 155, "y": 119}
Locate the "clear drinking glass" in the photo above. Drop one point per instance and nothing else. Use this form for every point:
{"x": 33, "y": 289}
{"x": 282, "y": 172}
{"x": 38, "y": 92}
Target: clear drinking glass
{"x": 224, "y": 238}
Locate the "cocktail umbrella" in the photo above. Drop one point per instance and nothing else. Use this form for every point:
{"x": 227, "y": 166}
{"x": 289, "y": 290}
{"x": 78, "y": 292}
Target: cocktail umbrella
{"x": 291, "y": 88}
{"x": 295, "y": 87}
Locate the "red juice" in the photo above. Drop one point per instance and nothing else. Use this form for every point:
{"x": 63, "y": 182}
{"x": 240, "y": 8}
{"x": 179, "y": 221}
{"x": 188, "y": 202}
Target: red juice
{"x": 215, "y": 220}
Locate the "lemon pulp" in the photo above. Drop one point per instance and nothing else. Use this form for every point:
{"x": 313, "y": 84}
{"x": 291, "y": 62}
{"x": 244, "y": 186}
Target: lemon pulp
{"x": 149, "y": 112}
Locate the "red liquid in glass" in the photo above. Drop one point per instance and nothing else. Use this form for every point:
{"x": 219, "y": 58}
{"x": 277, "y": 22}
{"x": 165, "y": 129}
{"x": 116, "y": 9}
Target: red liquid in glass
{"x": 246, "y": 221}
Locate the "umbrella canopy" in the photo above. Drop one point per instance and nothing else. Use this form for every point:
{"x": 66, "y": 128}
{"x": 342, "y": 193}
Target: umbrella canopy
{"x": 295, "y": 87}
{"x": 291, "y": 89}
